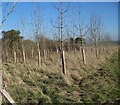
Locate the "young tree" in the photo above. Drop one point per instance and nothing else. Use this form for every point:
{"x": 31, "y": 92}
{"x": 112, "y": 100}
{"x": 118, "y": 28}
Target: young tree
{"x": 95, "y": 30}
{"x": 83, "y": 30}
{"x": 22, "y": 33}
{"x": 60, "y": 27}
{"x": 37, "y": 24}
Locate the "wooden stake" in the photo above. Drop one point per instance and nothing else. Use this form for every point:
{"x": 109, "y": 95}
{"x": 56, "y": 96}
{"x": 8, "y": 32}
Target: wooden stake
{"x": 39, "y": 57}
{"x": 83, "y": 55}
{"x": 63, "y": 62}
{"x": 23, "y": 53}
{"x": 9, "y": 98}
{"x": 15, "y": 59}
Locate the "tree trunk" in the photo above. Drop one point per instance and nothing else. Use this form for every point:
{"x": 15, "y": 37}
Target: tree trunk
{"x": 39, "y": 57}
{"x": 83, "y": 55}
{"x": 96, "y": 53}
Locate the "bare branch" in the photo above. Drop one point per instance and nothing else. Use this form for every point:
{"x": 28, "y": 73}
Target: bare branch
{"x": 77, "y": 28}
{"x": 86, "y": 32}
{"x": 82, "y": 28}
{"x": 56, "y": 7}
{"x": 66, "y": 9}
{"x": 54, "y": 25}
{"x": 9, "y": 12}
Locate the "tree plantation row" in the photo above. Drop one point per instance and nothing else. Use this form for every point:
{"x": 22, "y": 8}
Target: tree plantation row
{"x": 17, "y": 49}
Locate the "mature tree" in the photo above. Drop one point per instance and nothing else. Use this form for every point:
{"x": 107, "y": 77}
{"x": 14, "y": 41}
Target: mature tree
{"x": 11, "y": 41}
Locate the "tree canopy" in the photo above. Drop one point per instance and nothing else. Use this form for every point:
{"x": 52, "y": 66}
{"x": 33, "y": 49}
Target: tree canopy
{"x": 11, "y": 39}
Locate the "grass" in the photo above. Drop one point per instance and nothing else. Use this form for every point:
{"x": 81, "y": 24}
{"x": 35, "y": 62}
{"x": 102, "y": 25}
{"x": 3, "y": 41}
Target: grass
{"x": 90, "y": 84}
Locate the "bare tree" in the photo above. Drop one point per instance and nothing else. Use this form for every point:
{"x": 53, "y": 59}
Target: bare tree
{"x": 37, "y": 24}
{"x": 83, "y": 30}
{"x": 95, "y": 30}
{"x": 23, "y": 52}
{"x": 60, "y": 27}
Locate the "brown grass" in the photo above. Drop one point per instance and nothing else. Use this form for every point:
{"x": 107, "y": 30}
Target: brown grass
{"x": 31, "y": 77}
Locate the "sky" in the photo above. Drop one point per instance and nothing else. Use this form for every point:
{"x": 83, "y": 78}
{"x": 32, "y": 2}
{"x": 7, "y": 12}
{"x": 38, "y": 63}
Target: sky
{"x": 23, "y": 11}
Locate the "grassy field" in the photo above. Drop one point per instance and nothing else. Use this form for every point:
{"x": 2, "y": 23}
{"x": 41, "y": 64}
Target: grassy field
{"x": 96, "y": 82}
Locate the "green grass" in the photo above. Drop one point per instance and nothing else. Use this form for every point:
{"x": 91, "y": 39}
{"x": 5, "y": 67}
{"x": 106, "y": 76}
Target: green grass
{"x": 104, "y": 84}
{"x": 112, "y": 91}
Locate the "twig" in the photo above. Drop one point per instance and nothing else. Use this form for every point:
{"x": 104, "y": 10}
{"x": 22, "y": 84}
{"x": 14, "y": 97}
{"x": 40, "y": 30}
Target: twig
{"x": 9, "y": 12}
